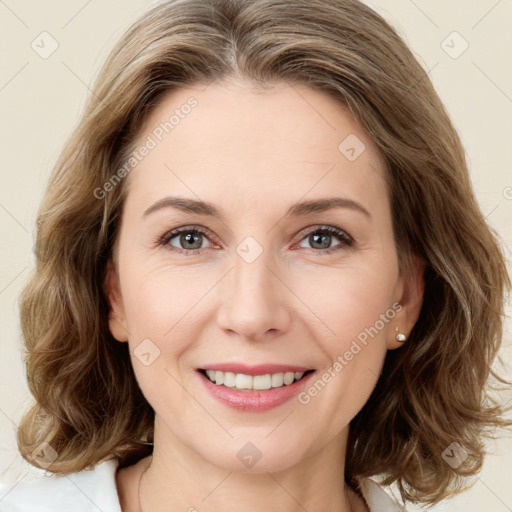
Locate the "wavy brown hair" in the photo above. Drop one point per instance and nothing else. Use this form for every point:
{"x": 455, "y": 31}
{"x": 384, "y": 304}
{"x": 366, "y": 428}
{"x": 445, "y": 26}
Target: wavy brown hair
{"x": 432, "y": 392}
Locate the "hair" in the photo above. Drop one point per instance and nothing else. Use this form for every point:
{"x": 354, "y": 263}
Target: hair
{"x": 433, "y": 392}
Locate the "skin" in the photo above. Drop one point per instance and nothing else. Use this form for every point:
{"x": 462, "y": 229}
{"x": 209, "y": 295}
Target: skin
{"x": 254, "y": 154}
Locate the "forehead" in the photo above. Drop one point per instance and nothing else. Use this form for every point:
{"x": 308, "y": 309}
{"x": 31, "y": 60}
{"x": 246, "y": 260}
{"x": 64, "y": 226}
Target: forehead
{"x": 231, "y": 138}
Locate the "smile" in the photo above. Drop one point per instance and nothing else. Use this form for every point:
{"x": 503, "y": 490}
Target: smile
{"x": 254, "y": 388}
{"x": 246, "y": 382}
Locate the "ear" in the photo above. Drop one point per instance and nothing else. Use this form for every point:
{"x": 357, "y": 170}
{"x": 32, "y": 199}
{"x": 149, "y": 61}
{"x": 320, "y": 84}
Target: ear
{"x": 410, "y": 297}
{"x": 116, "y": 314}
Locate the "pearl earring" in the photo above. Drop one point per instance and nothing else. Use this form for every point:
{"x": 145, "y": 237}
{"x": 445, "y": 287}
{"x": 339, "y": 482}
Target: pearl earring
{"x": 400, "y": 337}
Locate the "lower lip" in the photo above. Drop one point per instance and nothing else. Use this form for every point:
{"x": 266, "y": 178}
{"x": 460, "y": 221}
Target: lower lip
{"x": 255, "y": 401}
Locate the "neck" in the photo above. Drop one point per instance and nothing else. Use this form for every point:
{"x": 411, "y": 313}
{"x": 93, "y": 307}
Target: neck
{"x": 176, "y": 478}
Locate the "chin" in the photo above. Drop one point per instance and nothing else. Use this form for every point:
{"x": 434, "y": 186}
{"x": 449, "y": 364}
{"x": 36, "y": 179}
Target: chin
{"x": 257, "y": 454}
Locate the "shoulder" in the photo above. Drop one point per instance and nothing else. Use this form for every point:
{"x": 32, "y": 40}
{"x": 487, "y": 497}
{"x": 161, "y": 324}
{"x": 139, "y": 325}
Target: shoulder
{"x": 83, "y": 491}
{"x": 377, "y": 499}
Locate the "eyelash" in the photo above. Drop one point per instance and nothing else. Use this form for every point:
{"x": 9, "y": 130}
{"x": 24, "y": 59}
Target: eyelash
{"x": 346, "y": 240}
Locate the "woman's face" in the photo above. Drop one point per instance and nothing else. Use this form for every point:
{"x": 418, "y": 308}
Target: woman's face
{"x": 262, "y": 283}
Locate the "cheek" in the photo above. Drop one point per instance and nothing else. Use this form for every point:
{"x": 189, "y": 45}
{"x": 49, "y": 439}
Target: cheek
{"x": 165, "y": 310}
{"x": 355, "y": 314}
{"x": 360, "y": 317}
{"x": 347, "y": 301}
{"x": 159, "y": 299}
{"x": 160, "y": 316}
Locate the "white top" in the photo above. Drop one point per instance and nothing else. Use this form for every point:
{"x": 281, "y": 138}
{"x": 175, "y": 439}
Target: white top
{"x": 95, "y": 491}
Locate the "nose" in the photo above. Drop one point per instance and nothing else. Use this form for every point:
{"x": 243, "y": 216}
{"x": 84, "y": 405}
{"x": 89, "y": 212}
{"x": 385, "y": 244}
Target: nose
{"x": 255, "y": 301}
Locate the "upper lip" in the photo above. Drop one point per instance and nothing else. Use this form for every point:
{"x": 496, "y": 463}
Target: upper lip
{"x": 259, "y": 369}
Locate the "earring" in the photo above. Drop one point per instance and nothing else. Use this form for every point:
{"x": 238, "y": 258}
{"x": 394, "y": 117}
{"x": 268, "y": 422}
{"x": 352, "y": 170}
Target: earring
{"x": 400, "y": 337}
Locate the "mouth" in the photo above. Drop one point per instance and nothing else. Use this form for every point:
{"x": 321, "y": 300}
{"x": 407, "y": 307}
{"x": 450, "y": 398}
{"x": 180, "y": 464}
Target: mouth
{"x": 252, "y": 381}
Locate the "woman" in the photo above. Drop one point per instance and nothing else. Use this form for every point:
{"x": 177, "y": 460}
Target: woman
{"x": 262, "y": 272}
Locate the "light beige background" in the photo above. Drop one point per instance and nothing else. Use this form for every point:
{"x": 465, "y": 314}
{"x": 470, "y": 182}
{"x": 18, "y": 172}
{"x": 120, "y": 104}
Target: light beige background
{"x": 40, "y": 100}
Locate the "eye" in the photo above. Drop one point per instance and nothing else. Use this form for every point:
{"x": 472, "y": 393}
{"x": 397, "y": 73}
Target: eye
{"x": 321, "y": 237}
{"x": 189, "y": 240}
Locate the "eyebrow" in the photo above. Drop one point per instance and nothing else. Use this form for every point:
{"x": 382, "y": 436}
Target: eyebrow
{"x": 299, "y": 209}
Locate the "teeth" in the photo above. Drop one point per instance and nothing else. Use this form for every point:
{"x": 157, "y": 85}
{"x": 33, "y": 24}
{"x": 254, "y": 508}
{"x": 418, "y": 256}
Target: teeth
{"x": 243, "y": 381}
{"x": 256, "y": 382}
{"x": 262, "y": 382}
{"x": 289, "y": 377}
